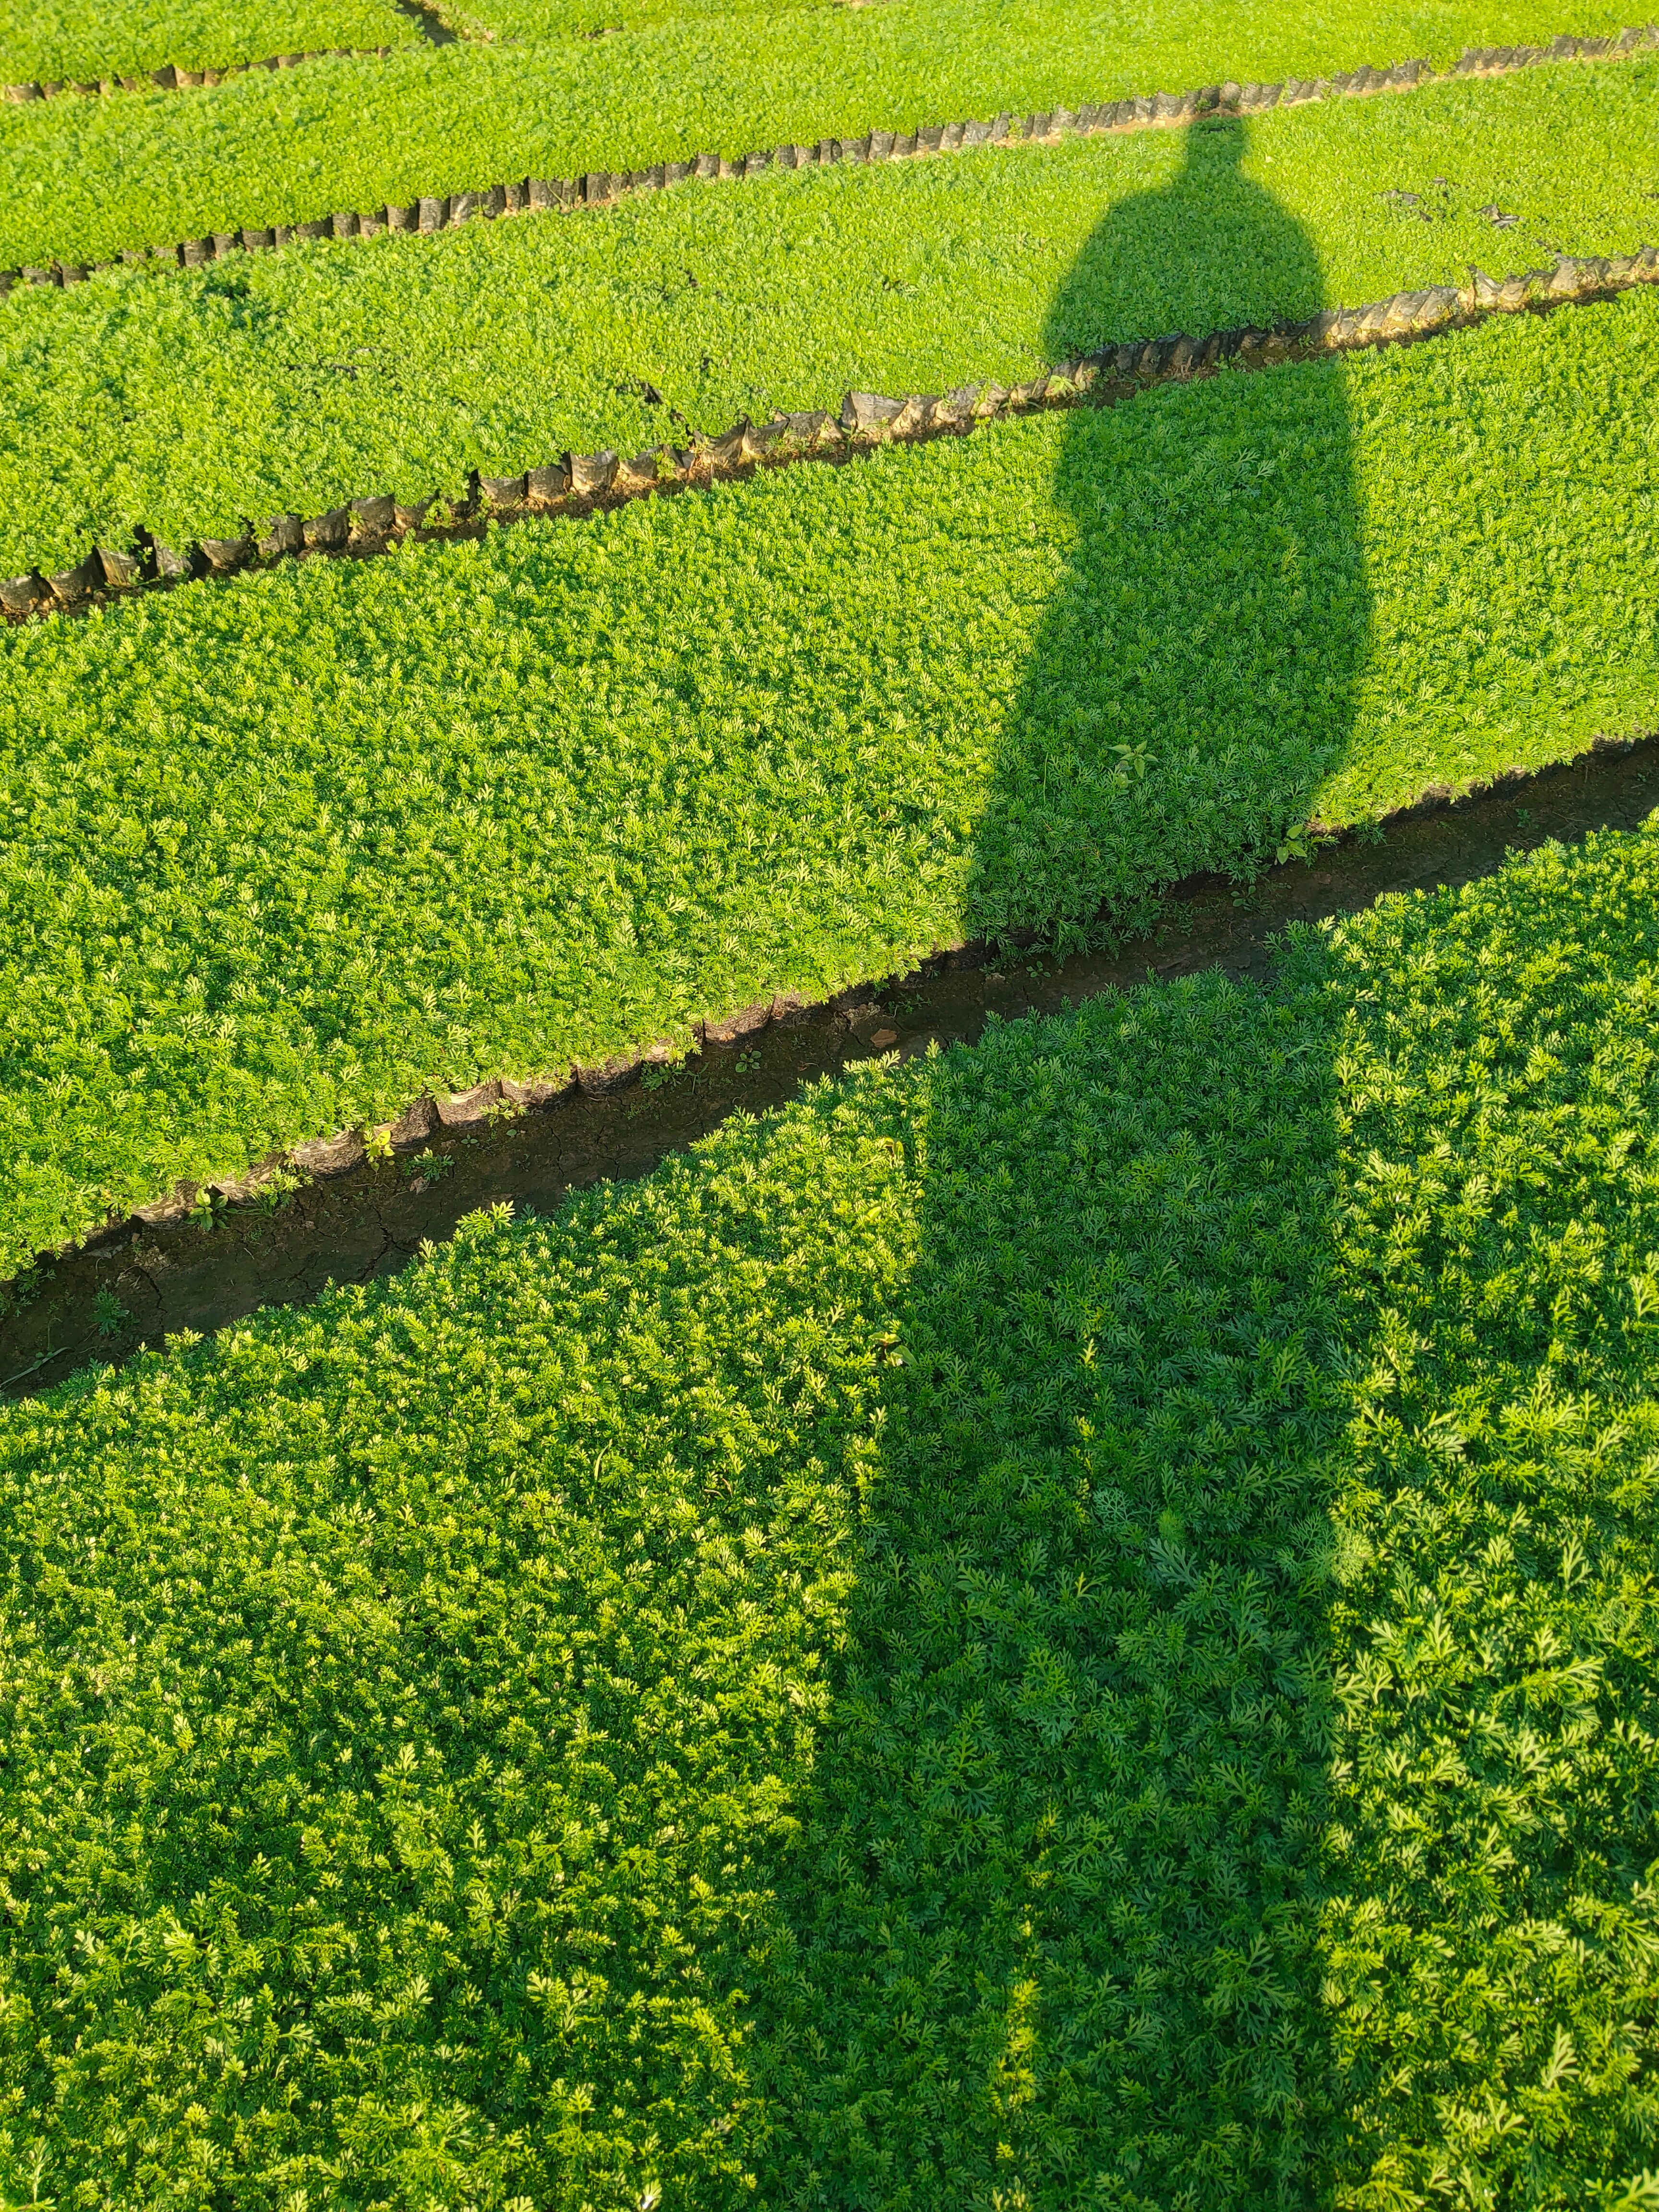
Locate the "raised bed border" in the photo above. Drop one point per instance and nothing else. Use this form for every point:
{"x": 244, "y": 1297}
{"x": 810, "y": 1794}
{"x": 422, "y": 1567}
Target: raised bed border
{"x": 535, "y": 195}
{"x": 434, "y": 1116}
{"x": 219, "y": 1265}
{"x": 578, "y": 483}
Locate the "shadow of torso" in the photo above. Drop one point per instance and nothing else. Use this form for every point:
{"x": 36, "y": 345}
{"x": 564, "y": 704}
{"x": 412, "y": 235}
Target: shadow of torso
{"x": 1192, "y": 681}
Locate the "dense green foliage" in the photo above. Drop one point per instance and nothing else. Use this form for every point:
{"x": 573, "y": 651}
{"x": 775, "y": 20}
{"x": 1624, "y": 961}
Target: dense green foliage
{"x": 81, "y": 43}
{"x": 300, "y": 379}
{"x": 80, "y": 179}
{"x": 1071, "y": 1623}
{"x": 283, "y": 851}
{"x": 540, "y": 20}
{"x": 1489, "y": 1937}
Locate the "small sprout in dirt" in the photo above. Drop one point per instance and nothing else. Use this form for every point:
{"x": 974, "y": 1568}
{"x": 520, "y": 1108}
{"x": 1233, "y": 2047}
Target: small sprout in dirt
{"x": 748, "y": 1061}
{"x": 427, "y": 1168}
{"x": 111, "y": 1316}
{"x": 278, "y": 1188}
{"x": 654, "y": 1079}
{"x": 376, "y": 1141}
{"x": 1300, "y": 844}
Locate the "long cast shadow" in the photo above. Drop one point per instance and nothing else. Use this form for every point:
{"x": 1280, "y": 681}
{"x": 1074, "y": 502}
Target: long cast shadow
{"x": 1052, "y": 1917}
{"x": 1047, "y": 1936}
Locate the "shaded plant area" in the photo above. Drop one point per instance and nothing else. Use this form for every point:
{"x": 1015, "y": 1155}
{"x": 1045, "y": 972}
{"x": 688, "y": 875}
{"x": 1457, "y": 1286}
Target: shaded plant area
{"x": 1068, "y": 1622}
{"x": 204, "y": 1269}
{"x": 1074, "y": 1784}
{"x": 1073, "y": 1619}
{"x": 1211, "y": 630}
{"x": 1052, "y": 1925}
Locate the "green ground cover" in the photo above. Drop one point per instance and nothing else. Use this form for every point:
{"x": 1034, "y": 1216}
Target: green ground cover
{"x": 79, "y": 181}
{"x": 281, "y": 852}
{"x": 1071, "y": 1623}
{"x": 80, "y": 43}
{"x": 297, "y": 381}
{"x": 541, "y": 21}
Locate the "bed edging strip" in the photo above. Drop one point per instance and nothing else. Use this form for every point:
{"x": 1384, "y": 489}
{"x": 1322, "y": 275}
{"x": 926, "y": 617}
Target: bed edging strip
{"x": 577, "y": 484}
{"x": 602, "y": 188}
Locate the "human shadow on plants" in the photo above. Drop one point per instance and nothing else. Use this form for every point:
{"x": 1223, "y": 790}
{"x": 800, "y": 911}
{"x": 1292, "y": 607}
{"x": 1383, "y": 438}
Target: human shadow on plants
{"x": 1175, "y": 1837}
{"x": 1050, "y": 1928}
{"x": 1234, "y": 1728}
{"x": 432, "y": 1679}
{"x": 1195, "y": 678}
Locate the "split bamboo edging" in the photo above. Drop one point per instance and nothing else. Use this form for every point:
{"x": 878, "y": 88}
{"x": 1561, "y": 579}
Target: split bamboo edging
{"x": 578, "y": 483}
{"x": 535, "y": 195}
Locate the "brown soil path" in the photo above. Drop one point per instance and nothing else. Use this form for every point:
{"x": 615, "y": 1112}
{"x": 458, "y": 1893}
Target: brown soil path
{"x": 141, "y": 1285}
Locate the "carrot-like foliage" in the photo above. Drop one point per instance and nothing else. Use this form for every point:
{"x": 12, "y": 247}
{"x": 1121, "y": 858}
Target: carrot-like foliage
{"x": 282, "y": 853}
{"x": 193, "y": 403}
{"x": 80, "y": 179}
{"x": 1070, "y": 1622}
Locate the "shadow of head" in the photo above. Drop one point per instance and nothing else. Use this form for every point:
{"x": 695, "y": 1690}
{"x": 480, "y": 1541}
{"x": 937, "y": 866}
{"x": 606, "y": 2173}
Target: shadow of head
{"x": 1213, "y": 245}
